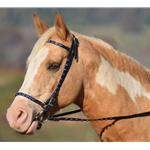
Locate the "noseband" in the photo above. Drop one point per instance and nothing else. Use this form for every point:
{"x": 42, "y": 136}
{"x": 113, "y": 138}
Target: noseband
{"x": 73, "y": 53}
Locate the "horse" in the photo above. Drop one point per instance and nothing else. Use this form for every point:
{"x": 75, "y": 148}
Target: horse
{"x": 66, "y": 67}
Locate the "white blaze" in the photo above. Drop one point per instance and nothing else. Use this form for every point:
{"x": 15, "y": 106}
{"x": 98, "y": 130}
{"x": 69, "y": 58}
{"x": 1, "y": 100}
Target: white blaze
{"x": 33, "y": 69}
{"x": 110, "y": 77}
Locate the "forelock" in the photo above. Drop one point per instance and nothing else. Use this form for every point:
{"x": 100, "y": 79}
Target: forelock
{"x": 40, "y": 43}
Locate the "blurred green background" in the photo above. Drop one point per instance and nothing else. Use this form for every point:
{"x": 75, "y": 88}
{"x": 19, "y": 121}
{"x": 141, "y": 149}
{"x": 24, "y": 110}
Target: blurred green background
{"x": 126, "y": 29}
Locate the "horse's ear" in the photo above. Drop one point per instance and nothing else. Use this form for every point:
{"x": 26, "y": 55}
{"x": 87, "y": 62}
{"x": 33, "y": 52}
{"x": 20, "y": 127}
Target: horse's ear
{"x": 61, "y": 28}
{"x": 40, "y": 26}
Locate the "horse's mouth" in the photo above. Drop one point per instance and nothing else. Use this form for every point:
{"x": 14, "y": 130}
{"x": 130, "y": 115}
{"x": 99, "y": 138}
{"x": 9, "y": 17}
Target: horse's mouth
{"x": 31, "y": 129}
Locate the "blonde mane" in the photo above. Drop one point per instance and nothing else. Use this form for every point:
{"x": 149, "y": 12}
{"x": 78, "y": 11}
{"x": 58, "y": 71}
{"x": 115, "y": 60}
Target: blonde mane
{"x": 118, "y": 59}
{"x": 40, "y": 43}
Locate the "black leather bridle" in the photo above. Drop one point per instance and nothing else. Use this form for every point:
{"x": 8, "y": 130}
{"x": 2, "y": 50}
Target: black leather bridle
{"x": 73, "y": 53}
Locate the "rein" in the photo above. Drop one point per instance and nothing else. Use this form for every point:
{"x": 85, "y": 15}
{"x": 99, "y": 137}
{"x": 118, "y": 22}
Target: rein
{"x": 116, "y": 118}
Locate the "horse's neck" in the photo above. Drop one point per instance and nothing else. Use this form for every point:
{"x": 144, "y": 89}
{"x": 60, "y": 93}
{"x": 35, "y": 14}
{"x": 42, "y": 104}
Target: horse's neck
{"x": 115, "y": 84}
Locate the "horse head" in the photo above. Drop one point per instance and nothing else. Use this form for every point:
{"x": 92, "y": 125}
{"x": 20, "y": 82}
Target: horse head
{"x": 45, "y": 90}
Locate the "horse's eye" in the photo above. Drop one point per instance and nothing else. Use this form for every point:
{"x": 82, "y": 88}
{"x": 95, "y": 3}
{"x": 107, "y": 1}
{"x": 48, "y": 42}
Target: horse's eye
{"x": 53, "y": 67}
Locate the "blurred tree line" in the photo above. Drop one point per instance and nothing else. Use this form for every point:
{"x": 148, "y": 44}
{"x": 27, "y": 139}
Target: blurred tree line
{"x": 125, "y": 16}
{"x": 17, "y": 33}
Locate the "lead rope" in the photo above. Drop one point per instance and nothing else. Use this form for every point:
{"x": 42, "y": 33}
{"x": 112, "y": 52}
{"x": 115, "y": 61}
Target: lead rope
{"x": 56, "y": 117}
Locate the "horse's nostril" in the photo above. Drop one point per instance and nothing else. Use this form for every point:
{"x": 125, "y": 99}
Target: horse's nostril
{"x": 19, "y": 115}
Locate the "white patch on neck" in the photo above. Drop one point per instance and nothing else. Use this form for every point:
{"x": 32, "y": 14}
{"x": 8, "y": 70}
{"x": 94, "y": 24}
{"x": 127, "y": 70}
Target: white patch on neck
{"x": 33, "y": 69}
{"x": 110, "y": 77}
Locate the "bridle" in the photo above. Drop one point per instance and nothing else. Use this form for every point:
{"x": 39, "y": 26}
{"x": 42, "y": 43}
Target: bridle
{"x": 73, "y": 53}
